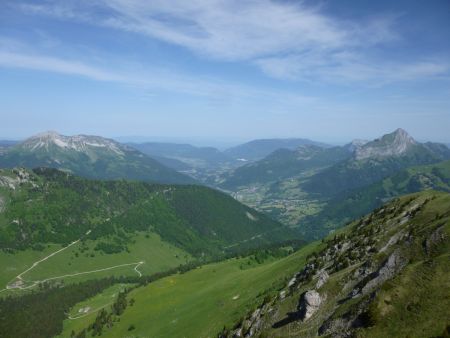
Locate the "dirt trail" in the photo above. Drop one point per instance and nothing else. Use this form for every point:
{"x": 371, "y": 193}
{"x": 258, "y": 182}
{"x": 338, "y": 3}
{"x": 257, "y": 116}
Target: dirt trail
{"x": 18, "y": 281}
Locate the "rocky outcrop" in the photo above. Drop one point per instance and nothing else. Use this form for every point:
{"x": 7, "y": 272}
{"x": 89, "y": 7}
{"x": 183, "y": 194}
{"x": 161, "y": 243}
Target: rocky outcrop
{"x": 250, "y": 326}
{"x": 322, "y": 278}
{"x": 343, "y": 326}
{"x": 434, "y": 239}
{"x": 16, "y": 177}
{"x": 309, "y": 303}
{"x": 394, "y": 264}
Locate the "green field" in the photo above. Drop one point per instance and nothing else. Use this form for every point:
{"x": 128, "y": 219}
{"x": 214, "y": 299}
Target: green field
{"x": 80, "y": 258}
{"x": 200, "y": 302}
{"x": 90, "y": 307}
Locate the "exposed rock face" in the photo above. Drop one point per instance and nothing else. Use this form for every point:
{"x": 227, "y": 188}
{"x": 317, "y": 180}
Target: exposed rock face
{"x": 435, "y": 238}
{"x": 391, "y": 267}
{"x": 80, "y": 143}
{"x": 309, "y": 303}
{"x": 12, "y": 182}
{"x": 355, "y": 144}
{"x": 251, "y": 325}
{"x": 336, "y": 328}
{"x": 393, "y": 144}
{"x": 322, "y": 278}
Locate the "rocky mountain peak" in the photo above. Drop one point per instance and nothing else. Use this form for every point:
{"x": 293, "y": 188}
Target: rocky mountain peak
{"x": 80, "y": 143}
{"x": 393, "y": 144}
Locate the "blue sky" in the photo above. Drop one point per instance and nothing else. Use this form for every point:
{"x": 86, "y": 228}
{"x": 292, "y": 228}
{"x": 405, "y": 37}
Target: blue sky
{"x": 225, "y": 71}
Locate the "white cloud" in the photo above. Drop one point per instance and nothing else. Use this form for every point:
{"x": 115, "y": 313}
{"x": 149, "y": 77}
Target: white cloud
{"x": 46, "y": 63}
{"x": 149, "y": 79}
{"x": 287, "y": 40}
{"x": 222, "y": 29}
{"x": 349, "y": 68}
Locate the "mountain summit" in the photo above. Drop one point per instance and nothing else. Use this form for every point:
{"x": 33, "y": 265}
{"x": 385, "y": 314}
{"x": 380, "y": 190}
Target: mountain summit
{"x": 393, "y": 144}
{"x": 375, "y": 161}
{"x": 79, "y": 143}
{"x": 88, "y": 156}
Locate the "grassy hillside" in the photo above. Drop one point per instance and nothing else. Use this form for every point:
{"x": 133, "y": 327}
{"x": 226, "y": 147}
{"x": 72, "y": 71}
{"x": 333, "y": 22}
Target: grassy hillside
{"x": 386, "y": 275}
{"x": 353, "y": 204}
{"x": 82, "y": 257}
{"x": 49, "y": 206}
{"x": 200, "y": 302}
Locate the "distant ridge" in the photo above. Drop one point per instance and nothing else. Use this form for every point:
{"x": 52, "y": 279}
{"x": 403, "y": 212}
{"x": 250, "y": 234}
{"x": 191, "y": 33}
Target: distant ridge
{"x": 258, "y": 149}
{"x": 88, "y": 156}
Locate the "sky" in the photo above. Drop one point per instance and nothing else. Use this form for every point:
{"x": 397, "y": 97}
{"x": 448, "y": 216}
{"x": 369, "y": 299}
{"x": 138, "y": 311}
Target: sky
{"x": 216, "y": 71}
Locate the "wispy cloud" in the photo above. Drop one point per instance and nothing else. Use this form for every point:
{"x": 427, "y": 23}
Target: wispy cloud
{"x": 344, "y": 67}
{"x": 230, "y": 30}
{"x": 286, "y": 40}
{"x": 52, "y": 64}
{"x": 150, "y": 80}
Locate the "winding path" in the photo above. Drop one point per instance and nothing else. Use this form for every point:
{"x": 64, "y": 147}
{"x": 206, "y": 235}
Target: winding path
{"x": 18, "y": 281}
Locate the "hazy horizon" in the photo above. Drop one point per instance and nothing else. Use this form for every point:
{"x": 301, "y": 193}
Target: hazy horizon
{"x": 221, "y": 144}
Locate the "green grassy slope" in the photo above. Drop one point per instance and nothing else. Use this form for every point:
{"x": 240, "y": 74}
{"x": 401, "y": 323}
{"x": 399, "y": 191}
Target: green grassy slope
{"x": 200, "y": 302}
{"x": 82, "y": 258}
{"x": 388, "y": 277}
{"x": 348, "y": 206}
{"x": 410, "y": 302}
{"x": 87, "y": 309}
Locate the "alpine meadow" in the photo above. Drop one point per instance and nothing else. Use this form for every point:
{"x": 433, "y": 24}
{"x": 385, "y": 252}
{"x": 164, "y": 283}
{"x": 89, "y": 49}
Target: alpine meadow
{"x": 224, "y": 169}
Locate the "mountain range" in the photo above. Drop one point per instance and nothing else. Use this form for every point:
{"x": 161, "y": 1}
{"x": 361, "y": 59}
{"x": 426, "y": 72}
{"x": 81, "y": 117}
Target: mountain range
{"x": 308, "y": 186}
{"x": 302, "y": 184}
{"x": 101, "y": 239}
{"x": 374, "y": 161}
{"x": 88, "y": 156}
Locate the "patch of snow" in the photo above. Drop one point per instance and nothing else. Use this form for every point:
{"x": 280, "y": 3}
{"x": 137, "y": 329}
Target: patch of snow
{"x": 61, "y": 143}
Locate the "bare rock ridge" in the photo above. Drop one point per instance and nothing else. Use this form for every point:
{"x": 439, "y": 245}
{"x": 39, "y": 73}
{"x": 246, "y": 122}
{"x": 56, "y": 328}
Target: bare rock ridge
{"x": 393, "y": 144}
{"x": 80, "y": 143}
